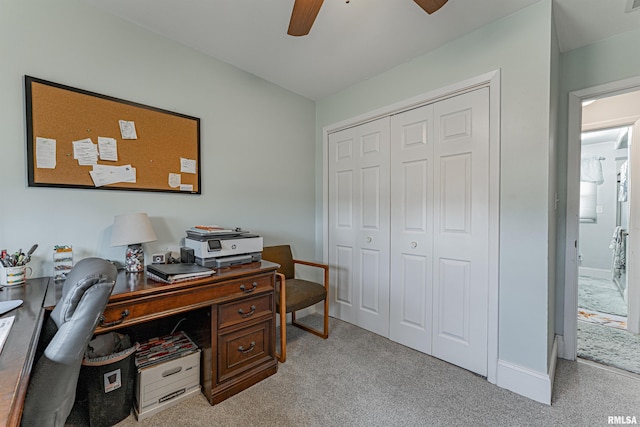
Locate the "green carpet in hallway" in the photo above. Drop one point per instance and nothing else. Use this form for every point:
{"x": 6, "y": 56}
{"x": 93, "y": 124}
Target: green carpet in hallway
{"x": 600, "y": 295}
{"x": 602, "y": 344}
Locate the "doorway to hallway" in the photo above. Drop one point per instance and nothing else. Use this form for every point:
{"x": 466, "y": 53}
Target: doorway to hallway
{"x": 603, "y": 288}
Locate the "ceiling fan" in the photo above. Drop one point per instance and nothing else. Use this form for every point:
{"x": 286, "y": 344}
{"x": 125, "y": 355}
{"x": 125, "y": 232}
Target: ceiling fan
{"x": 305, "y": 11}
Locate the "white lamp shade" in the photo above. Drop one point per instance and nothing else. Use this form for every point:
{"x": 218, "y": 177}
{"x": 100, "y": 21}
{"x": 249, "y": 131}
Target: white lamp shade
{"x": 129, "y": 229}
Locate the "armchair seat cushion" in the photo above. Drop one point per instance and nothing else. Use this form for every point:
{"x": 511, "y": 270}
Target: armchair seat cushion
{"x": 301, "y": 294}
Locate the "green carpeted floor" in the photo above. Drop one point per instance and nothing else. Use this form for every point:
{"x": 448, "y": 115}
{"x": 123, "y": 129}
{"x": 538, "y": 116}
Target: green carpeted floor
{"x": 603, "y": 344}
{"x": 600, "y": 295}
{"x": 609, "y": 346}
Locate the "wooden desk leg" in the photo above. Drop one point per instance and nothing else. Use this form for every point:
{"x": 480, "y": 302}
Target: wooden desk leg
{"x": 282, "y": 356}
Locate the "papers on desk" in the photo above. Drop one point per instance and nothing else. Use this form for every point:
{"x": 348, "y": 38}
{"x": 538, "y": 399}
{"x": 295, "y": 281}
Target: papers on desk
{"x": 5, "y": 328}
{"x": 7, "y": 306}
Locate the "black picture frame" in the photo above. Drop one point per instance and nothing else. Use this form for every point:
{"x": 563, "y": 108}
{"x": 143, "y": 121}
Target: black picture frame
{"x": 166, "y": 149}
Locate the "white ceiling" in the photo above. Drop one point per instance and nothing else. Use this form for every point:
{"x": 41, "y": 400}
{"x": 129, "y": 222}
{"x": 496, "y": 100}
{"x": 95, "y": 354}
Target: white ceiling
{"x": 348, "y": 42}
{"x": 606, "y": 135}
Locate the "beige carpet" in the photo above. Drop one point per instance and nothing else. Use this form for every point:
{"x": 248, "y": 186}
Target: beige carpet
{"x": 356, "y": 378}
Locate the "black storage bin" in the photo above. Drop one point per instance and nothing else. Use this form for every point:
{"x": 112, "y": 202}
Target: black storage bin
{"x": 106, "y": 386}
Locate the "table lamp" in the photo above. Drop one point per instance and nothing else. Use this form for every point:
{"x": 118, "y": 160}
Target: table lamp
{"x": 132, "y": 230}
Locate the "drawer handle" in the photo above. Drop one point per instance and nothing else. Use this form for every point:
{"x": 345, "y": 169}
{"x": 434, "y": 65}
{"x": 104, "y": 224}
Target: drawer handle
{"x": 243, "y": 314}
{"x": 124, "y": 314}
{"x": 172, "y": 371}
{"x": 241, "y": 349}
{"x": 246, "y": 291}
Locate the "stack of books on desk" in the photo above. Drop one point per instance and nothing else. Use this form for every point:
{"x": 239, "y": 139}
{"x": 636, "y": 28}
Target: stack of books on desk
{"x": 173, "y": 273}
{"x": 162, "y": 349}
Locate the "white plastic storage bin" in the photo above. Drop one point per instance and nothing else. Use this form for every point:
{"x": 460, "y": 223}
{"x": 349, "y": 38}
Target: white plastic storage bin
{"x": 168, "y": 372}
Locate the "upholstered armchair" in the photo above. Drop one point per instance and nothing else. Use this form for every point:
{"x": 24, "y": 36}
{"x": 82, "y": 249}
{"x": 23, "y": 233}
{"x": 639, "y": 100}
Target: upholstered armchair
{"x": 293, "y": 294}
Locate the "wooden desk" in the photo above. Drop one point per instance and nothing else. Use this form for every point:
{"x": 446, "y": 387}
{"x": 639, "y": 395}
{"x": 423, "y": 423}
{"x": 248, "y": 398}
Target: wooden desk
{"x": 238, "y": 347}
{"x": 238, "y": 342}
{"x": 17, "y": 355}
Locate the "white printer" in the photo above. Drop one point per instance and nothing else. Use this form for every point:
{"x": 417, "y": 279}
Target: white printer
{"x": 217, "y": 247}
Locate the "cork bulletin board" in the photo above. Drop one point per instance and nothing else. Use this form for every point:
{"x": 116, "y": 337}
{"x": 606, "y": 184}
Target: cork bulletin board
{"x": 81, "y": 139}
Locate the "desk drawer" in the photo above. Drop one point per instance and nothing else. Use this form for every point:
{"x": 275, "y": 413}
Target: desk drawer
{"x": 246, "y": 287}
{"x": 243, "y": 349}
{"x": 232, "y": 313}
{"x": 181, "y": 298}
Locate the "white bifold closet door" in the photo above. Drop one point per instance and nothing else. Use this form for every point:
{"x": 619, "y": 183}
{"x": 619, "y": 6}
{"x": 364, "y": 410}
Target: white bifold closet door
{"x": 409, "y": 227}
{"x": 440, "y": 229}
{"x": 359, "y": 225}
{"x": 412, "y": 187}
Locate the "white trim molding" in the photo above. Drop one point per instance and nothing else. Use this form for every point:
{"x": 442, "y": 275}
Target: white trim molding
{"x": 570, "y": 321}
{"x": 527, "y": 382}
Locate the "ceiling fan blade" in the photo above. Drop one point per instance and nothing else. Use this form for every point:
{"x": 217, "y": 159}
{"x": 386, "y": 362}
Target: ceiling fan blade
{"x": 302, "y": 17}
{"x": 430, "y": 6}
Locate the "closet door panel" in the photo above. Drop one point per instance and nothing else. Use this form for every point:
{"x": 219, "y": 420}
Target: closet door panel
{"x": 370, "y": 281}
{"x": 343, "y": 184}
{"x": 359, "y": 225}
{"x": 411, "y": 228}
{"x": 373, "y": 227}
{"x": 414, "y": 187}
{"x": 370, "y": 206}
{"x": 453, "y": 301}
{"x": 455, "y": 194}
{"x": 461, "y": 221}
{"x": 342, "y": 281}
{"x": 411, "y": 313}
{"x": 344, "y": 200}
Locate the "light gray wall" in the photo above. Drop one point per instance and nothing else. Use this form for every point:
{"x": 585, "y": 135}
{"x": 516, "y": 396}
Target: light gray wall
{"x": 607, "y": 61}
{"x": 250, "y": 131}
{"x": 520, "y": 45}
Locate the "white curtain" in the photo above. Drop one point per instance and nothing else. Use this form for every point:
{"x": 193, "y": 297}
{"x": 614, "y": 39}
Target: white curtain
{"x": 591, "y": 170}
{"x": 588, "y": 199}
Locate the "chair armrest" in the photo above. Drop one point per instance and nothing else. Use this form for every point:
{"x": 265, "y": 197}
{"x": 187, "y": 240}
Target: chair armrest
{"x": 312, "y": 264}
{"x": 283, "y": 291}
{"x": 325, "y": 267}
{"x": 280, "y": 277}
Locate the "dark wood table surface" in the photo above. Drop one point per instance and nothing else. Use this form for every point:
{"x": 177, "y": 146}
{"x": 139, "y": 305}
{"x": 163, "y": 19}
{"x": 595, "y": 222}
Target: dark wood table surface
{"x": 136, "y": 285}
{"x": 17, "y": 354}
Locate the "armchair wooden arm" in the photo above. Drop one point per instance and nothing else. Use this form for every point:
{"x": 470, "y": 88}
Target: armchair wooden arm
{"x": 295, "y": 294}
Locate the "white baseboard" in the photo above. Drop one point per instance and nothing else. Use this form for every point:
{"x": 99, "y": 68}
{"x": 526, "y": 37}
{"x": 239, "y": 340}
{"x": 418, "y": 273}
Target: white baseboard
{"x": 527, "y": 382}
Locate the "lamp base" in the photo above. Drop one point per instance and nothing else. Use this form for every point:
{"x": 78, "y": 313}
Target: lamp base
{"x": 134, "y": 261}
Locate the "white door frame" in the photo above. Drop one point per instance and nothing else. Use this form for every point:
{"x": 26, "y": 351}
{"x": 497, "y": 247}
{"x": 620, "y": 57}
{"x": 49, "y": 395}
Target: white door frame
{"x": 492, "y": 81}
{"x": 570, "y": 335}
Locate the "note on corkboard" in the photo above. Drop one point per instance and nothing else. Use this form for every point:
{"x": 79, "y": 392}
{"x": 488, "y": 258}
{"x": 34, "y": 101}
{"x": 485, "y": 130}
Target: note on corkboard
{"x": 81, "y": 139}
